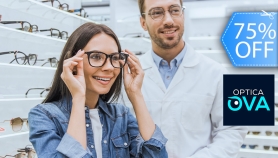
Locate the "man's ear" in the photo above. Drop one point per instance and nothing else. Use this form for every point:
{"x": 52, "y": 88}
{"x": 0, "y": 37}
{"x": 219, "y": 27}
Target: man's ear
{"x": 143, "y": 23}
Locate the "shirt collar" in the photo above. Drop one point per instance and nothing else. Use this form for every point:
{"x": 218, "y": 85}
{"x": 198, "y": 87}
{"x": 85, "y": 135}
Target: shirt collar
{"x": 157, "y": 59}
{"x": 67, "y": 105}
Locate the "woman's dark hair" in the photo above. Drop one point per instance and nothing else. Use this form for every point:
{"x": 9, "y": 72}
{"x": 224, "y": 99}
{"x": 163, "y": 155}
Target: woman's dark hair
{"x": 78, "y": 40}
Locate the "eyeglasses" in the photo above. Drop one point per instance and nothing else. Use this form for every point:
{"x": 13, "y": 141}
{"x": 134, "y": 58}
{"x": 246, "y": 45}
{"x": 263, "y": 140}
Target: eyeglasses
{"x": 21, "y": 58}
{"x": 19, "y": 155}
{"x": 25, "y": 26}
{"x": 17, "y": 123}
{"x": 250, "y": 146}
{"x": 273, "y": 147}
{"x": 135, "y": 35}
{"x": 256, "y": 133}
{"x": 63, "y": 6}
{"x": 81, "y": 11}
{"x": 53, "y": 61}
{"x": 158, "y": 13}
{"x": 30, "y": 151}
{"x": 98, "y": 59}
{"x": 55, "y": 32}
{"x": 43, "y": 90}
{"x": 269, "y": 133}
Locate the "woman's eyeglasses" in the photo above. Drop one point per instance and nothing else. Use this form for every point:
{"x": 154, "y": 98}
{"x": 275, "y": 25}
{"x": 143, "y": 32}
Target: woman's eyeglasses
{"x": 43, "y": 90}
{"x": 98, "y": 59}
{"x": 57, "y": 33}
{"x": 25, "y": 26}
{"x": 21, "y": 58}
{"x": 17, "y": 123}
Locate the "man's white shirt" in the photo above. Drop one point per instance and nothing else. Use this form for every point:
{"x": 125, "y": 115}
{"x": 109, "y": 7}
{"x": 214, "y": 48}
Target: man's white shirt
{"x": 190, "y": 111}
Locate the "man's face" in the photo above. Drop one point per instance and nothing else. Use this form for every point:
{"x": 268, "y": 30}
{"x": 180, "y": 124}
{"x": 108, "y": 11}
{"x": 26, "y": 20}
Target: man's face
{"x": 167, "y": 32}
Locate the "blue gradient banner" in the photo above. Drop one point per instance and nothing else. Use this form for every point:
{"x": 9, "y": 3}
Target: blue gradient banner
{"x": 250, "y": 39}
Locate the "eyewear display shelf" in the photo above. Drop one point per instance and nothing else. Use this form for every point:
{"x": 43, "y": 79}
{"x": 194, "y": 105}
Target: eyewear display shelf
{"x": 45, "y": 11}
{"x": 17, "y": 79}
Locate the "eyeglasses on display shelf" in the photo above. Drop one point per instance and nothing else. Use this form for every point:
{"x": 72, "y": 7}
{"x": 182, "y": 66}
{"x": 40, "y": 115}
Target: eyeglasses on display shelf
{"x": 58, "y": 4}
{"x": 17, "y": 123}
{"x": 274, "y": 148}
{"x": 81, "y": 11}
{"x": 56, "y": 33}
{"x": 135, "y": 35}
{"x": 138, "y": 52}
{"x": 53, "y": 61}
{"x": 98, "y": 59}
{"x": 255, "y": 132}
{"x": 31, "y": 153}
{"x": 158, "y": 13}
{"x": 43, "y": 90}
{"x": 250, "y": 146}
{"x": 21, "y": 58}
{"x": 269, "y": 133}
{"x": 25, "y": 26}
{"x": 19, "y": 155}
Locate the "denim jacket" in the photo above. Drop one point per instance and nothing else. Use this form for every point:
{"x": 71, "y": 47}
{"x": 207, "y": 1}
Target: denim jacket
{"x": 48, "y": 124}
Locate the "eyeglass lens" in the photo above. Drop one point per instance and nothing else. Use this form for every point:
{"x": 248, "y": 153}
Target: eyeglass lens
{"x": 20, "y": 58}
{"x": 17, "y": 124}
{"x": 98, "y": 59}
{"x": 32, "y": 59}
{"x": 158, "y": 13}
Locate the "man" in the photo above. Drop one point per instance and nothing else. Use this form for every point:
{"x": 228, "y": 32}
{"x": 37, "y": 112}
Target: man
{"x": 182, "y": 89}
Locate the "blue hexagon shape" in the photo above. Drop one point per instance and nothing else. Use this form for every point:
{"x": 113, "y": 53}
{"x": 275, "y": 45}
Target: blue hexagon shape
{"x": 250, "y": 39}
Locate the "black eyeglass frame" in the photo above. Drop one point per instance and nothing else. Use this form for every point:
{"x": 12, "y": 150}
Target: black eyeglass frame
{"x": 32, "y": 28}
{"x": 107, "y": 56}
{"x": 43, "y": 90}
{"x": 26, "y": 57}
{"x": 53, "y": 34}
{"x": 182, "y": 11}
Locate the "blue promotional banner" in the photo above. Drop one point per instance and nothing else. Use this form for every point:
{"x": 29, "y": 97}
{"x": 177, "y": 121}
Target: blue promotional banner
{"x": 250, "y": 39}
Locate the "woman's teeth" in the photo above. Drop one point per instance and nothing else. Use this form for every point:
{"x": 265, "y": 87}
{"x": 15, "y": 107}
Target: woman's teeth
{"x": 103, "y": 79}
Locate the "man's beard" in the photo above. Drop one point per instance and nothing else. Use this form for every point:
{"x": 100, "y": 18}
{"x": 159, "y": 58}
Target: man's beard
{"x": 160, "y": 42}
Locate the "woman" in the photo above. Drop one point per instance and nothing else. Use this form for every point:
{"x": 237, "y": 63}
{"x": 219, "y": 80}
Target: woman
{"x": 89, "y": 77}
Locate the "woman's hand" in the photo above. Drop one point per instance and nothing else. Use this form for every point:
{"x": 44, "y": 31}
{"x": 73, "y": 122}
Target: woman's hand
{"x": 73, "y": 75}
{"x": 133, "y": 80}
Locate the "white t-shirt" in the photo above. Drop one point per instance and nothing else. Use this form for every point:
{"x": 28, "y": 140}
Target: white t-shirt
{"x": 97, "y": 130}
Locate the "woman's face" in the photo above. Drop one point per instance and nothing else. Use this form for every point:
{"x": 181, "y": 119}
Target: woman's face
{"x": 99, "y": 80}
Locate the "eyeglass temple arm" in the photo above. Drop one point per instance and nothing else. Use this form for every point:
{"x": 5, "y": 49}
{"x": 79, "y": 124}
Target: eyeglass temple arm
{"x": 46, "y": 89}
{"x": 10, "y": 156}
{"x": 11, "y": 22}
{"x": 11, "y": 52}
{"x": 138, "y": 34}
{"x": 45, "y": 63}
{"x": 5, "y": 121}
{"x": 45, "y": 30}
{"x": 32, "y": 89}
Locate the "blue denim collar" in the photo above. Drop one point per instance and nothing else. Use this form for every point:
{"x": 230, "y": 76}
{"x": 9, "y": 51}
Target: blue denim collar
{"x": 66, "y": 104}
